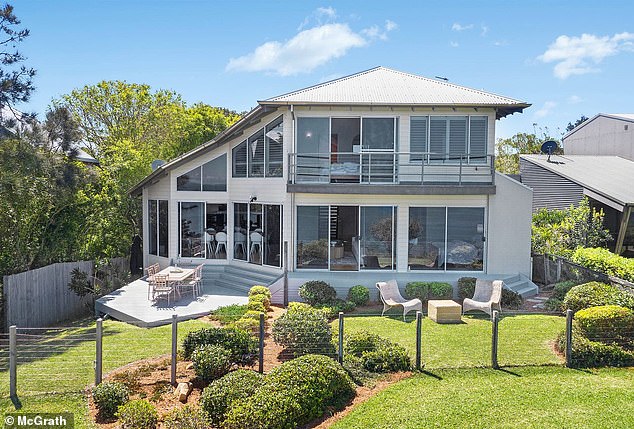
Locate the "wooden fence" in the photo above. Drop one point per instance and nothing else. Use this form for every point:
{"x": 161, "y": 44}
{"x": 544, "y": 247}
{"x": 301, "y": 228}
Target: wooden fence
{"x": 41, "y": 297}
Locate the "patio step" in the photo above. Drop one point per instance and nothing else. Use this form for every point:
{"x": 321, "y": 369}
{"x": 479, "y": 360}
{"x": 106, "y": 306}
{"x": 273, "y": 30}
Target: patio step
{"x": 240, "y": 279}
{"x": 522, "y": 285}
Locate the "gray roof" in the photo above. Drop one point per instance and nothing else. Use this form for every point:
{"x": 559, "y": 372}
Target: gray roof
{"x": 386, "y": 87}
{"x": 609, "y": 176}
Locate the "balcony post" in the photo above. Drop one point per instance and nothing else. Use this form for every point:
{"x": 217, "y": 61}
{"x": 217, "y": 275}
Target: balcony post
{"x": 460, "y": 172}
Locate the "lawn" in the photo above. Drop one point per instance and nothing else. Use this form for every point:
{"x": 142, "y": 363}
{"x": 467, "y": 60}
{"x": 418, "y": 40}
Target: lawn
{"x": 526, "y": 397}
{"x": 523, "y": 339}
{"x": 54, "y": 382}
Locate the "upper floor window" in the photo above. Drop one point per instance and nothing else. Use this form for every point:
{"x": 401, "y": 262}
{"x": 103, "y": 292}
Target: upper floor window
{"x": 211, "y": 176}
{"x": 261, "y": 155}
{"x": 446, "y": 137}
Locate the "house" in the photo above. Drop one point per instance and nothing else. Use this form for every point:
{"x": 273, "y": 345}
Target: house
{"x": 604, "y": 134}
{"x": 377, "y": 175}
{"x": 561, "y": 181}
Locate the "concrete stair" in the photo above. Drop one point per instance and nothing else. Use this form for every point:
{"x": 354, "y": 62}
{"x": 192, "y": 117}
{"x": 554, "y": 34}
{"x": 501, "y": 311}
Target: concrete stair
{"x": 522, "y": 285}
{"x": 238, "y": 278}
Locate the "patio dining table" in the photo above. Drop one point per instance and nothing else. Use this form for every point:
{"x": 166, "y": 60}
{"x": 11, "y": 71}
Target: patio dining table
{"x": 174, "y": 275}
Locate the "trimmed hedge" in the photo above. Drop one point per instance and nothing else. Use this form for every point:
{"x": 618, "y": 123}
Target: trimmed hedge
{"x": 333, "y": 309}
{"x": 593, "y": 354}
{"x": 138, "y": 414}
{"x": 511, "y": 299}
{"x": 260, "y": 290}
{"x": 220, "y": 395}
{"x": 293, "y": 394}
{"x": 594, "y": 294}
{"x": 602, "y": 260}
{"x": 241, "y": 344}
{"x": 304, "y": 330}
{"x": 108, "y": 396}
{"x": 359, "y": 295}
{"x": 607, "y": 323}
{"x": 377, "y": 354}
{"x": 186, "y": 417}
{"x": 316, "y": 292}
{"x": 211, "y": 362}
{"x": 261, "y": 299}
{"x": 228, "y": 313}
{"x": 466, "y": 287}
{"x": 428, "y": 290}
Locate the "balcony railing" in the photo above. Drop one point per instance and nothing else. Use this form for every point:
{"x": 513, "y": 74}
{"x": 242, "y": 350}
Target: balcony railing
{"x": 407, "y": 168}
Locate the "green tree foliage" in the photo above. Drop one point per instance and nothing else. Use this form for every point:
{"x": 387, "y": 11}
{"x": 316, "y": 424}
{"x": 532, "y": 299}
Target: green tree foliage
{"x": 507, "y": 151}
{"x": 578, "y": 122}
{"x": 560, "y": 232}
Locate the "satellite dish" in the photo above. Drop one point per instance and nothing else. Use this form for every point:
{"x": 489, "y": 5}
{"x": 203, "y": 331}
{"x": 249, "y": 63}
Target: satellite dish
{"x": 157, "y": 163}
{"x": 548, "y": 147}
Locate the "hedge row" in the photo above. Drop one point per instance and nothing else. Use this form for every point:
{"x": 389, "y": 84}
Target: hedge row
{"x": 604, "y": 261}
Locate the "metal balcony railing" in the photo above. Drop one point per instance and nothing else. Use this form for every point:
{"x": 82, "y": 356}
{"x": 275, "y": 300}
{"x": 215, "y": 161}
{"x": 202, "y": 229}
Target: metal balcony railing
{"x": 382, "y": 167}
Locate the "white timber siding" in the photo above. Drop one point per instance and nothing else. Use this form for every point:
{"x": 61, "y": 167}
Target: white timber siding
{"x": 602, "y": 136}
{"x": 509, "y": 228}
{"x": 550, "y": 190}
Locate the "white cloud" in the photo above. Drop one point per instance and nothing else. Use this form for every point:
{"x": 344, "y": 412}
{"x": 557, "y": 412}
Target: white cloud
{"x": 376, "y": 32}
{"x": 320, "y": 16}
{"x": 458, "y": 27}
{"x": 390, "y": 25}
{"x": 327, "y": 11}
{"x": 303, "y": 53}
{"x": 500, "y": 43}
{"x": 574, "y": 99}
{"x": 580, "y": 55}
{"x": 454, "y": 44}
{"x": 545, "y": 109}
{"x": 484, "y": 30}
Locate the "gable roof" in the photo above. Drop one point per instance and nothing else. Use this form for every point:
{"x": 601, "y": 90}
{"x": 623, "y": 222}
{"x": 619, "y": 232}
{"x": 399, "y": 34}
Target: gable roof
{"x": 608, "y": 176}
{"x": 386, "y": 87}
{"x": 629, "y": 117}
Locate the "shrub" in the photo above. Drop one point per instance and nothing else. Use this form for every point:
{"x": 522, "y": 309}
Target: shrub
{"x": 418, "y": 290}
{"x": 561, "y": 289}
{"x": 357, "y": 371}
{"x": 593, "y": 354}
{"x": 229, "y": 313}
{"x": 260, "y": 290}
{"x": 247, "y": 324}
{"x": 138, "y": 414}
{"x": 108, "y": 397}
{"x": 333, "y": 309}
{"x": 358, "y": 294}
{"x": 185, "y": 418}
{"x": 466, "y": 287}
{"x": 511, "y": 299}
{"x": 261, "y": 299}
{"x": 317, "y": 292}
{"x": 594, "y": 294}
{"x": 256, "y": 306}
{"x": 218, "y": 397}
{"x": 293, "y": 394}
{"x": 440, "y": 290}
{"x": 299, "y": 307}
{"x": 553, "y": 304}
{"x": 607, "y": 323}
{"x": 303, "y": 332}
{"x": 241, "y": 344}
{"x": 377, "y": 354}
{"x": 211, "y": 361}
{"x": 602, "y": 260}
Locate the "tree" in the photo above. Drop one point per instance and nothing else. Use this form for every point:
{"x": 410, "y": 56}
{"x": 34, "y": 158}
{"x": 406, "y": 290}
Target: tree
{"x": 507, "y": 151}
{"x": 578, "y": 122}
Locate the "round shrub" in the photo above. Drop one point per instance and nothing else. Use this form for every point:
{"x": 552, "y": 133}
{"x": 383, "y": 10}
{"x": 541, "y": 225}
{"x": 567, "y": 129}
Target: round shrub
{"x": 260, "y": 290}
{"x": 593, "y": 354}
{"x": 359, "y": 294}
{"x": 293, "y": 394}
{"x": 355, "y": 343}
{"x": 317, "y": 292}
{"x": 138, "y": 414}
{"x": 185, "y": 418}
{"x": 377, "y": 354}
{"x": 595, "y": 294}
{"x": 561, "y": 289}
{"x": 241, "y": 344}
{"x": 218, "y": 397}
{"x": 261, "y": 299}
{"x": 298, "y": 307}
{"x": 440, "y": 290}
{"x": 466, "y": 287}
{"x": 211, "y": 362}
{"x": 108, "y": 397}
{"x": 418, "y": 290}
{"x": 607, "y": 323}
{"x": 256, "y": 306}
{"x": 511, "y": 299}
{"x": 247, "y": 324}
{"x": 303, "y": 332}
{"x": 333, "y": 309}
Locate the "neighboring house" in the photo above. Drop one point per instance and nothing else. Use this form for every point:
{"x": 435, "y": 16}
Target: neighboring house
{"x": 607, "y": 181}
{"x": 377, "y": 175}
{"x": 604, "y": 134}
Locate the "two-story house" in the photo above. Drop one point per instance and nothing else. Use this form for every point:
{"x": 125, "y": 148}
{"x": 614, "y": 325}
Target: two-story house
{"x": 377, "y": 175}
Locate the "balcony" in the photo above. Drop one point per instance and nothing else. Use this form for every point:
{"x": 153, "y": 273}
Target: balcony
{"x": 391, "y": 172}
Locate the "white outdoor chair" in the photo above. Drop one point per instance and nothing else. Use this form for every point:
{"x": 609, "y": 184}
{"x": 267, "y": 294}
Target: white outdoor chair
{"x": 486, "y": 297}
{"x": 221, "y": 240}
{"x": 240, "y": 241}
{"x": 193, "y": 283}
{"x": 391, "y": 297}
{"x": 161, "y": 288}
{"x": 256, "y": 242}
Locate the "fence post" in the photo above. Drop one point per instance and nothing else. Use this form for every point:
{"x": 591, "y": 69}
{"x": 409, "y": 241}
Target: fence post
{"x": 558, "y": 269}
{"x": 13, "y": 361}
{"x": 569, "y": 315}
{"x": 174, "y": 348}
{"x": 494, "y": 340}
{"x": 98, "y": 351}
{"x": 261, "y": 354}
{"x": 419, "y": 333}
{"x": 340, "y": 354}
{"x": 285, "y": 254}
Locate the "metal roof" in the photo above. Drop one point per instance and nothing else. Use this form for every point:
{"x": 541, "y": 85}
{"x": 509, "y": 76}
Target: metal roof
{"x": 386, "y": 87}
{"x": 609, "y": 176}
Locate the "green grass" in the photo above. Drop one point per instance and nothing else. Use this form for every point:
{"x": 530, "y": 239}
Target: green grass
{"x": 54, "y": 382}
{"x": 527, "y": 397}
{"x": 229, "y": 313}
{"x": 523, "y": 339}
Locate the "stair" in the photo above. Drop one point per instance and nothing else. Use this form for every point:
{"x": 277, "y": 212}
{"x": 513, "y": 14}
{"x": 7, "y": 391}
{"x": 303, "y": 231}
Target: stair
{"x": 522, "y": 285}
{"x": 237, "y": 278}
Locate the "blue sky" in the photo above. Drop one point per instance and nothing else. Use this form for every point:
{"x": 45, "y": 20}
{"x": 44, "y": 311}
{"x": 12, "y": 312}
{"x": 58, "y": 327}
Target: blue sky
{"x": 566, "y": 58}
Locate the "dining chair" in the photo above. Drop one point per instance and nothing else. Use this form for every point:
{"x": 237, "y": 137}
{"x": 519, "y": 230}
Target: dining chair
{"x": 221, "y": 240}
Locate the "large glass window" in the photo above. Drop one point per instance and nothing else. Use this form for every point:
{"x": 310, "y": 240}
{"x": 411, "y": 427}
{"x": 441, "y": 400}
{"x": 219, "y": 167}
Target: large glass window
{"x": 256, "y": 154}
{"x": 216, "y": 231}
{"x": 157, "y": 227}
{"x": 377, "y": 238}
{"x": 211, "y": 176}
{"x": 446, "y": 238}
{"x": 189, "y": 181}
{"x": 378, "y": 134}
{"x": 240, "y": 226}
{"x": 275, "y": 148}
{"x": 313, "y": 149}
{"x": 191, "y": 220}
{"x": 262, "y": 154}
{"x": 272, "y": 239}
{"x": 312, "y": 237}
{"x": 152, "y": 227}
{"x": 163, "y": 227}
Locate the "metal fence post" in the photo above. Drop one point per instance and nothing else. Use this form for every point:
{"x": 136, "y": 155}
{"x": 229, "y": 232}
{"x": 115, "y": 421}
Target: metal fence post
{"x": 285, "y": 255}
{"x": 569, "y": 315}
{"x": 494, "y": 340}
{"x": 261, "y": 352}
{"x": 419, "y": 332}
{"x": 174, "y": 348}
{"x": 98, "y": 351}
{"x": 340, "y": 354}
{"x": 13, "y": 361}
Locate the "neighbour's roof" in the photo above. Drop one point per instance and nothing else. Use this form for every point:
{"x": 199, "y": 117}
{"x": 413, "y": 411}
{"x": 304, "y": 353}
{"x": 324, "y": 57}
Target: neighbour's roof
{"x": 629, "y": 117}
{"x": 609, "y": 176}
{"x": 386, "y": 87}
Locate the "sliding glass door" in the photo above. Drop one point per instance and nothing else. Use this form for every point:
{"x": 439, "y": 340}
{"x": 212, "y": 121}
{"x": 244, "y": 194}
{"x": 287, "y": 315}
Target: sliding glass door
{"x": 258, "y": 233}
{"x": 191, "y": 222}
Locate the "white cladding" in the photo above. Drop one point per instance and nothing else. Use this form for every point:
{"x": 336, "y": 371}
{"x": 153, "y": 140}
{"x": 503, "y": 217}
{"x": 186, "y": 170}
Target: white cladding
{"x": 602, "y": 135}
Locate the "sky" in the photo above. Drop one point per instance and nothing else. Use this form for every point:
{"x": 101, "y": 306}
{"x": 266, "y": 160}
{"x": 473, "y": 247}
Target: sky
{"x": 565, "y": 58}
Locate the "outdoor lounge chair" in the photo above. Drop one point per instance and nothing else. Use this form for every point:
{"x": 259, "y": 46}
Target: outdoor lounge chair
{"x": 486, "y": 297}
{"x": 391, "y": 297}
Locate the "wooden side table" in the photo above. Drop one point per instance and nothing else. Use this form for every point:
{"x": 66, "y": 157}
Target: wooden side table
{"x": 444, "y": 311}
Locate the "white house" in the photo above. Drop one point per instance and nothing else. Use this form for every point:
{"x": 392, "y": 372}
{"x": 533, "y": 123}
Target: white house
{"x": 377, "y": 175}
{"x": 604, "y": 134}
